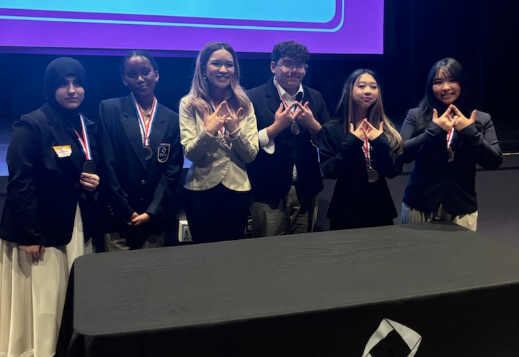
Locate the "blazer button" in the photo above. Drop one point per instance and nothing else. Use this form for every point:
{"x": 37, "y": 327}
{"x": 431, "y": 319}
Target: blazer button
{"x": 143, "y": 182}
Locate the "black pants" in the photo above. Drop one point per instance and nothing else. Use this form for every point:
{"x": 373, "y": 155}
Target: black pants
{"x": 217, "y": 214}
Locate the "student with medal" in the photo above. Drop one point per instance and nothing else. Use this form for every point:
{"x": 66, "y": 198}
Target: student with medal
{"x": 446, "y": 138}
{"x": 219, "y": 135}
{"x": 48, "y": 218}
{"x": 359, "y": 148}
{"x": 285, "y": 176}
{"x": 141, "y": 159}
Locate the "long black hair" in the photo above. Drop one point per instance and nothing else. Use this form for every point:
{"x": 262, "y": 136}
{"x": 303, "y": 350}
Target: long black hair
{"x": 453, "y": 69}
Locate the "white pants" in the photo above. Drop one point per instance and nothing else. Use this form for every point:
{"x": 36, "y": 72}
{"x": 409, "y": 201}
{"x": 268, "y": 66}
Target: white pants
{"x": 410, "y": 215}
{"x": 33, "y": 293}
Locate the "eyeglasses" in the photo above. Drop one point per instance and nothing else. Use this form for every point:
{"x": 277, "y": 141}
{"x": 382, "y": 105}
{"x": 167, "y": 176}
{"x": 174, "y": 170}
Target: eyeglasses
{"x": 289, "y": 65}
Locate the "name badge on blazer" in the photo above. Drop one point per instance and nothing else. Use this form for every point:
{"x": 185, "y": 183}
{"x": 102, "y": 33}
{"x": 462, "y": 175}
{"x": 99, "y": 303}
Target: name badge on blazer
{"x": 163, "y": 152}
{"x": 63, "y": 150}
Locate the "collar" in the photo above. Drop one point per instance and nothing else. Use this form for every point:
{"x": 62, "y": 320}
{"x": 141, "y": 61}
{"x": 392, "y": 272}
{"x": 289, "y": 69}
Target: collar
{"x": 285, "y": 95}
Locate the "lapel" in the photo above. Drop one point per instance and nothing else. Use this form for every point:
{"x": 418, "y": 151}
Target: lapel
{"x": 272, "y": 95}
{"x": 63, "y": 137}
{"x": 159, "y": 127}
{"x": 306, "y": 98}
{"x": 130, "y": 124}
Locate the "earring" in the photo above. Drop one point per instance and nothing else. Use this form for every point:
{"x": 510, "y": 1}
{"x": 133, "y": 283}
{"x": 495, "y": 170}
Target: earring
{"x": 205, "y": 78}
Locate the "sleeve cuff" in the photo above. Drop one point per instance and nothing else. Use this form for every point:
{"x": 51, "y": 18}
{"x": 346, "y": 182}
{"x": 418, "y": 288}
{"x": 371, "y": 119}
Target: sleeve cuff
{"x": 265, "y": 143}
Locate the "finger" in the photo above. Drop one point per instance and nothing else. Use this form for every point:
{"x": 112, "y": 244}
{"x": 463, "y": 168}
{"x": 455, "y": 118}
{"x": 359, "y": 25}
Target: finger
{"x": 280, "y": 109}
{"x": 295, "y": 104}
{"x": 206, "y": 111}
{"x": 367, "y": 124}
{"x": 381, "y": 126}
{"x": 42, "y": 250}
{"x": 473, "y": 116}
{"x": 435, "y": 114}
{"x": 222, "y": 105}
{"x": 455, "y": 109}
{"x": 226, "y": 107}
{"x": 352, "y": 129}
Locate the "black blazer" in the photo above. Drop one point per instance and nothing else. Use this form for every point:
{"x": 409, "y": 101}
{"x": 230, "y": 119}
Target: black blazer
{"x": 129, "y": 182}
{"x": 436, "y": 181}
{"x": 355, "y": 201}
{"x": 43, "y": 189}
{"x": 271, "y": 174}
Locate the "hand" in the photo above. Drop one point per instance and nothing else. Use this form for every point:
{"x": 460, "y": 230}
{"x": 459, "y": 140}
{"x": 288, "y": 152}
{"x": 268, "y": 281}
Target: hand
{"x": 304, "y": 115}
{"x": 359, "y": 132}
{"x": 89, "y": 181}
{"x": 139, "y": 220}
{"x": 460, "y": 122}
{"x": 285, "y": 116}
{"x": 37, "y": 251}
{"x": 232, "y": 121}
{"x": 370, "y": 131}
{"x": 213, "y": 122}
{"x": 446, "y": 121}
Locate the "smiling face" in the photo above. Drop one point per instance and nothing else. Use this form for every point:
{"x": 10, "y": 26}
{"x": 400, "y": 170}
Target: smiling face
{"x": 289, "y": 73}
{"x": 70, "y": 93}
{"x": 140, "y": 76}
{"x": 365, "y": 91}
{"x": 219, "y": 70}
{"x": 445, "y": 88}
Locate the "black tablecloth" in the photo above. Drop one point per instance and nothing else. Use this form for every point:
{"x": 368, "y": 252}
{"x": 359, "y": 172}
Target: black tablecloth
{"x": 319, "y": 294}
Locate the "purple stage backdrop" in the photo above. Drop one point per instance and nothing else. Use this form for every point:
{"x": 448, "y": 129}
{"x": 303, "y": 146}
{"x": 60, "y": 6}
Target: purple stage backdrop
{"x": 325, "y": 26}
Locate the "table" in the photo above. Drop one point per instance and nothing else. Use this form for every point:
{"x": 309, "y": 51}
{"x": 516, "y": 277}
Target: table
{"x": 317, "y": 294}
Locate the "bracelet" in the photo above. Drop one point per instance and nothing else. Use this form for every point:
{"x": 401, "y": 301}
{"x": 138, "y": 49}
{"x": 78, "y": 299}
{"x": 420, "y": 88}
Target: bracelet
{"x": 234, "y": 133}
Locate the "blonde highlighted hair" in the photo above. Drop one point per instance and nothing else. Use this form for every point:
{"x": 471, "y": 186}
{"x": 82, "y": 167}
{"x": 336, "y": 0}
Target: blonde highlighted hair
{"x": 200, "y": 96}
{"x": 376, "y": 114}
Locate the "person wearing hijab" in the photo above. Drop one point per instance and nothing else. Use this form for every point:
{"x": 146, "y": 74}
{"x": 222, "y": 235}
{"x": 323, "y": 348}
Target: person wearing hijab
{"x": 47, "y": 217}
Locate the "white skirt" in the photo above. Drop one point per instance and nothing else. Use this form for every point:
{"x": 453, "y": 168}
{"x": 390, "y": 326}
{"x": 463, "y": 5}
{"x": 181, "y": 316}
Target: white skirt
{"x": 33, "y": 295}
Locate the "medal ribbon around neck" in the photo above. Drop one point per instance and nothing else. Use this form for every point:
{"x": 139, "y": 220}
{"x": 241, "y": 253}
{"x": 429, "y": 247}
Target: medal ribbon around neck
{"x": 449, "y": 138}
{"x": 84, "y": 141}
{"x": 213, "y": 107}
{"x": 146, "y": 129}
{"x": 367, "y": 152}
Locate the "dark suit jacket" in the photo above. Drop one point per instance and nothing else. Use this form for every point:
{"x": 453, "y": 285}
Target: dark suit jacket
{"x": 436, "y": 181}
{"x": 129, "y": 182}
{"x": 271, "y": 174}
{"x": 356, "y": 201}
{"x": 44, "y": 189}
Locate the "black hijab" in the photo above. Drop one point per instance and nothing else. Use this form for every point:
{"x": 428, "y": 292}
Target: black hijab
{"x": 56, "y": 72}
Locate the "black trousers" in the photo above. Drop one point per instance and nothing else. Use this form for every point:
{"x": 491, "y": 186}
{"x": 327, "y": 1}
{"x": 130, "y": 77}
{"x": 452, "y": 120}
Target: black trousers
{"x": 217, "y": 214}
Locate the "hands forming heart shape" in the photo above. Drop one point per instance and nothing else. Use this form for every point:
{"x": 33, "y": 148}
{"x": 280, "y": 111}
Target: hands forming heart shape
{"x": 367, "y": 131}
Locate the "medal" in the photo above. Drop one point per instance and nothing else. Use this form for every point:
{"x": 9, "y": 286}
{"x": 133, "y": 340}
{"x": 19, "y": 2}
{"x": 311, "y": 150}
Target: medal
{"x": 146, "y": 129}
{"x": 148, "y": 153}
{"x": 294, "y": 128}
{"x": 372, "y": 175}
{"x": 450, "y": 153}
{"x": 89, "y": 167}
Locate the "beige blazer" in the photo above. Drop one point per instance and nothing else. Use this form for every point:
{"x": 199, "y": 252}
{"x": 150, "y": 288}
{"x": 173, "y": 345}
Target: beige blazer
{"x": 217, "y": 159}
